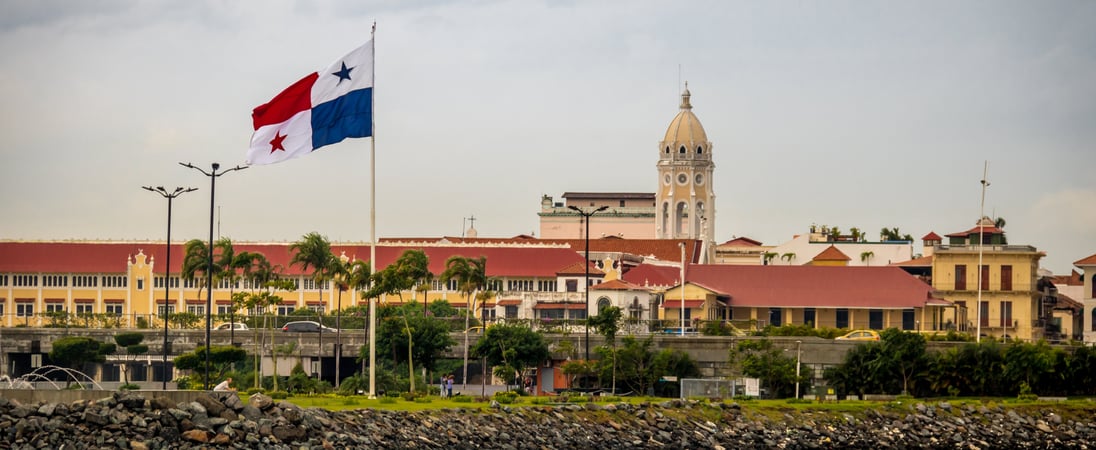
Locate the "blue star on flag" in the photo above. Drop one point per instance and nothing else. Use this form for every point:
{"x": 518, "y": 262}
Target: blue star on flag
{"x": 343, "y": 74}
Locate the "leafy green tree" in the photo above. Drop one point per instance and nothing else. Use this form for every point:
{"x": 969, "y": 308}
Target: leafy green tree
{"x": 76, "y": 352}
{"x": 904, "y": 356}
{"x": 671, "y": 362}
{"x": 132, "y": 343}
{"x": 411, "y": 268}
{"x": 1027, "y": 363}
{"x": 607, "y": 323}
{"x": 513, "y": 348}
{"x": 430, "y": 335}
{"x": 761, "y": 359}
{"x": 640, "y": 368}
{"x": 221, "y": 360}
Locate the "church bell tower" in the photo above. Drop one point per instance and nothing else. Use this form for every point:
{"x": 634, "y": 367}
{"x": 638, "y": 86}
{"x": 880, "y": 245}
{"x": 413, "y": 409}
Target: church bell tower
{"x": 685, "y": 203}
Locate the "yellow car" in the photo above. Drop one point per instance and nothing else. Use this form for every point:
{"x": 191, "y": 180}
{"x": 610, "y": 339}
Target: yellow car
{"x": 859, "y": 335}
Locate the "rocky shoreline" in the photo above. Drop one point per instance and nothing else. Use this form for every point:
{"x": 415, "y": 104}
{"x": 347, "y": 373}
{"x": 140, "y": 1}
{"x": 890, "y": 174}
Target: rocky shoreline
{"x": 220, "y": 420}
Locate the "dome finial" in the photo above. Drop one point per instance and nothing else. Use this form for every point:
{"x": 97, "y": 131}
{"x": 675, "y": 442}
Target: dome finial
{"x": 685, "y": 98}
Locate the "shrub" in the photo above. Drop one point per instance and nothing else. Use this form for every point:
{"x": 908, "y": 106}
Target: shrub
{"x": 254, "y": 390}
{"x": 388, "y": 400}
{"x": 129, "y": 387}
{"x": 506, "y": 397}
{"x": 462, "y": 399}
{"x": 422, "y": 399}
{"x": 279, "y": 395}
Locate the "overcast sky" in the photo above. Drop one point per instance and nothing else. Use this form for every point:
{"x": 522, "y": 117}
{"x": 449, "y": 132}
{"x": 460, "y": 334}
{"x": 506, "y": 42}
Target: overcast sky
{"x": 855, "y": 114}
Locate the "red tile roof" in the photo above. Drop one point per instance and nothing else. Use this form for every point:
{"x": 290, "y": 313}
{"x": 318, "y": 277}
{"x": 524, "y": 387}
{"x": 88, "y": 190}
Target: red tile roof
{"x": 652, "y": 275}
{"x": 617, "y": 285}
{"x": 1065, "y": 302}
{"x": 924, "y": 261}
{"x": 987, "y": 229}
{"x": 932, "y": 236}
{"x": 609, "y": 195}
{"x": 741, "y": 242}
{"x": 831, "y": 253}
{"x": 1073, "y": 279}
{"x": 111, "y": 257}
{"x": 1089, "y": 261}
{"x": 578, "y": 268}
{"x": 661, "y": 249}
{"x": 813, "y": 286}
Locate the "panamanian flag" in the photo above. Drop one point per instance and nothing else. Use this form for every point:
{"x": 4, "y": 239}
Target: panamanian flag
{"x": 322, "y": 108}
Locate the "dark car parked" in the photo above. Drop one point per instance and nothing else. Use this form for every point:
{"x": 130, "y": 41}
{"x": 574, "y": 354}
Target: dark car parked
{"x": 306, "y": 326}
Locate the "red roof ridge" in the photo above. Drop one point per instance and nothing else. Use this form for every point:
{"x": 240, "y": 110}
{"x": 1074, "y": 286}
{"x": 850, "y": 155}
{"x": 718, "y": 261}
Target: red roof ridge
{"x": 576, "y": 268}
{"x": 618, "y": 285}
{"x": 1087, "y": 261}
{"x": 932, "y": 236}
{"x": 831, "y": 253}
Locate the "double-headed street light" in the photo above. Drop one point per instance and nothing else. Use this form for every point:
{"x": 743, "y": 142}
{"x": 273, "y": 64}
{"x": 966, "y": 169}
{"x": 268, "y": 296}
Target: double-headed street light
{"x": 167, "y": 264}
{"x": 209, "y": 267}
{"x": 586, "y": 289}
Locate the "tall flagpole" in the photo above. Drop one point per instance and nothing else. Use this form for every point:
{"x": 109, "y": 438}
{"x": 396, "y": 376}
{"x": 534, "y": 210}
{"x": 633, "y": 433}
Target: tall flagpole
{"x": 373, "y": 219}
{"x": 981, "y": 242}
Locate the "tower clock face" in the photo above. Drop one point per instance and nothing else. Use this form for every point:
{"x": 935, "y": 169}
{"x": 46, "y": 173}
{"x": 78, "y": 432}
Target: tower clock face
{"x": 682, "y": 178}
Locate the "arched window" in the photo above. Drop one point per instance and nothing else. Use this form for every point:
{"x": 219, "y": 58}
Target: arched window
{"x": 682, "y": 150}
{"x": 699, "y": 150}
{"x": 1093, "y": 321}
{"x": 666, "y": 219}
{"x": 603, "y": 303}
{"x": 680, "y": 217}
{"x": 667, "y": 149}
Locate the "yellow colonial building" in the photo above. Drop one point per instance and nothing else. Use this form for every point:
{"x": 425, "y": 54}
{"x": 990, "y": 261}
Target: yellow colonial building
{"x": 1007, "y": 282}
{"x": 819, "y": 296}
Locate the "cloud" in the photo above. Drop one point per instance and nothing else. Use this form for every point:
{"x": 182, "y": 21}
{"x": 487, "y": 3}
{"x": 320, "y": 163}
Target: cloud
{"x": 1069, "y": 211}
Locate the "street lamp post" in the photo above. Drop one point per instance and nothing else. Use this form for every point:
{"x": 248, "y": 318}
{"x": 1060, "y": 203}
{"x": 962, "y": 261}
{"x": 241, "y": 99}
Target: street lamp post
{"x": 167, "y": 263}
{"x": 586, "y": 288}
{"x": 209, "y": 264}
{"x": 798, "y": 346}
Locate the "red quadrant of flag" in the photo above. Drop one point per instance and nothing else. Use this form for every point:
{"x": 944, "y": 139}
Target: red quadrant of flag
{"x": 292, "y": 100}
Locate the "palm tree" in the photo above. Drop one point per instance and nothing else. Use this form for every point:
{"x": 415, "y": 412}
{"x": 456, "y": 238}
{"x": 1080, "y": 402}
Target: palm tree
{"x": 231, "y": 264}
{"x": 313, "y": 251}
{"x": 865, "y": 256}
{"x": 471, "y": 275}
{"x": 411, "y": 269}
{"x": 195, "y": 261}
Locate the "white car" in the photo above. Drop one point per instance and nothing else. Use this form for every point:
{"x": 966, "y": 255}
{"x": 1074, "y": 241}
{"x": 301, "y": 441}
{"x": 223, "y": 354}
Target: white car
{"x": 231, "y": 326}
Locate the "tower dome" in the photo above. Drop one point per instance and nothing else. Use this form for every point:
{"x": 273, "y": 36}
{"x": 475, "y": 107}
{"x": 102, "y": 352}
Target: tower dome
{"x": 685, "y": 129}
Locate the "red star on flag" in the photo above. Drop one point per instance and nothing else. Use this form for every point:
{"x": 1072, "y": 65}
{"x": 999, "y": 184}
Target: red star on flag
{"x": 276, "y": 143}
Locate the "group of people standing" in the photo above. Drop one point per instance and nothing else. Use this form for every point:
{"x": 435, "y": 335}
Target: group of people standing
{"x": 446, "y": 385}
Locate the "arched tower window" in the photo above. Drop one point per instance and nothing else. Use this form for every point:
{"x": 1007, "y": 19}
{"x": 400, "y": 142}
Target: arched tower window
{"x": 682, "y": 150}
{"x": 667, "y": 149}
{"x": 665, "y": 219}
{"x": 603, "y": 303}
{"x": 681, "y": 216}
{"x": 700, "y": 216}
{"x": 699, "y": 150}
